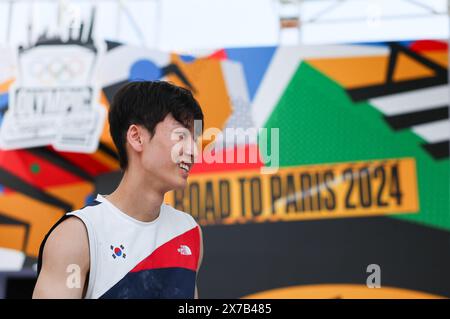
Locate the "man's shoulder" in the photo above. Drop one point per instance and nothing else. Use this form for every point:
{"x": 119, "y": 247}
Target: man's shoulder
{"x": 68, "y": 228}
{"x": 69, "y": 235}
{"x": 89, "y": 208}
{"x": 179, "y": 214}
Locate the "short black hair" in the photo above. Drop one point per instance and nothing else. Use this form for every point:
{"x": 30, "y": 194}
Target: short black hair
{"x": 147, "y": 103}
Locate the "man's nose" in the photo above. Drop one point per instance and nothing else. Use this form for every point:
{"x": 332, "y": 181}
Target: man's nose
{"x": 191, "y": 150}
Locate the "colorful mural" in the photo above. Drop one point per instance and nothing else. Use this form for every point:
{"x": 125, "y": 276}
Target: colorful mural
{"x": 363, "y": 155}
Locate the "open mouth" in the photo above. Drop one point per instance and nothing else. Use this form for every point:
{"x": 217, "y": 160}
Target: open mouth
{"x": 184, "y": 166}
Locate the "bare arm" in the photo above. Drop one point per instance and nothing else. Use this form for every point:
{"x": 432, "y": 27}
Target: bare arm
{"x": 200, "y": 259}
{"x": 65, "y": 262}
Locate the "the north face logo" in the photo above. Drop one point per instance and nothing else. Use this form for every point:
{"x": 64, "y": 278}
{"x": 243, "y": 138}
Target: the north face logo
{"x": 184, "y": 250}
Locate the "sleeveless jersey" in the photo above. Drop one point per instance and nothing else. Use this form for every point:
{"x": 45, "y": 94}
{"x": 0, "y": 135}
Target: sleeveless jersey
{"x": 134, "y": 259}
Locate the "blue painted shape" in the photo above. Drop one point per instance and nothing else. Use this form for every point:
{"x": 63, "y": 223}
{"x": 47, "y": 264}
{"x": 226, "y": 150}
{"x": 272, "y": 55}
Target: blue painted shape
{"x": 255, "y": 62}
{"x": 144, "y": 70}
{"x": 187, "y": 58}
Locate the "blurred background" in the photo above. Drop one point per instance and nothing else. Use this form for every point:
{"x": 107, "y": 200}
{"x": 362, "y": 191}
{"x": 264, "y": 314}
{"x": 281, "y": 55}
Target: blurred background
{"x": 353, "y": 96}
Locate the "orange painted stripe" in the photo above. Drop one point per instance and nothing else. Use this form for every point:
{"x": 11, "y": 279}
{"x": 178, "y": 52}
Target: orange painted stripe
{"x": 106, "y": 160}
{"x": 211, "y": 91}
{"x": 437, "y": 57}
{"x": 75, "y": 194}
{"x": 12, "y": 236}
{"x": 353, "y": 71}
{"x": 4, "y": 87}
{"x": 40, "y": 216}
{"x": 407, "y": 69}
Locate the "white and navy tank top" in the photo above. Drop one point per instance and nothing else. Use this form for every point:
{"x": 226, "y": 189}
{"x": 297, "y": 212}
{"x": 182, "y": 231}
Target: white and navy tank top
{"x": 134, "y": 259}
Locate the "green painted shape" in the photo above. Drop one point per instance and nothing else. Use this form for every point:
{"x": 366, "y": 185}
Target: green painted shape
{"x": 319, "y": 123}
{"x": 35, "y": 168}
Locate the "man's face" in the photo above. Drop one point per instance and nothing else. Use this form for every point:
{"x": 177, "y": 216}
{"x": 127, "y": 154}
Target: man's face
{"x": 170, "y": 154}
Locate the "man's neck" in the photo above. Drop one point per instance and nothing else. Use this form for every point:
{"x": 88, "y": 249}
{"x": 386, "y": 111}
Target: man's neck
{"x": 136, "y": 198}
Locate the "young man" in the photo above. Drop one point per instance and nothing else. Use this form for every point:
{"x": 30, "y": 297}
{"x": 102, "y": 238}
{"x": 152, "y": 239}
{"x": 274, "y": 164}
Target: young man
{"x": 129, "y": 244}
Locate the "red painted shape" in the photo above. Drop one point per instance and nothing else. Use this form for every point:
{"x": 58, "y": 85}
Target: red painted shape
{"x": 85, "y": 162}
{"x": 19, "y": 163}
{"x": 429, "y": 45}
{"x": 219, "y": 55}
{"x": 247, "y": 149}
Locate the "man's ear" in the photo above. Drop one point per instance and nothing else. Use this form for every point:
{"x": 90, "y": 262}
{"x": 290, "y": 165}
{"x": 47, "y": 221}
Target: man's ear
{"x": 135, "y": 137}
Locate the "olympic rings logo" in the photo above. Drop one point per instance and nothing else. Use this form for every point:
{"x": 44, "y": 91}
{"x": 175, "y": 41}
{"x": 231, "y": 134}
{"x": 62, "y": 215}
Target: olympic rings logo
{"x": 60, "y": 69}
